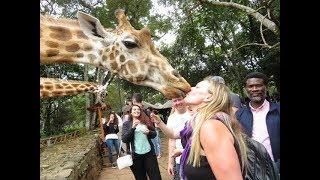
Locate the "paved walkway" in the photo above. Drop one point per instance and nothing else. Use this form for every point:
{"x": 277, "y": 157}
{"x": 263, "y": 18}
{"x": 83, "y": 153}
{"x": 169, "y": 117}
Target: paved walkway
{"x": 108, "y": 173}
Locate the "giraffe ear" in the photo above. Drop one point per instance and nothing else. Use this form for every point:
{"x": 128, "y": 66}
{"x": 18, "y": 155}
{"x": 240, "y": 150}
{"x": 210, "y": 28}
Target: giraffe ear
{"x": 91, "y": 26}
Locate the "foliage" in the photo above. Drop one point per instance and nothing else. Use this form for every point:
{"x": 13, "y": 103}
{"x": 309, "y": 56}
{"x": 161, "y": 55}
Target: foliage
{"x": 210, "y": 40}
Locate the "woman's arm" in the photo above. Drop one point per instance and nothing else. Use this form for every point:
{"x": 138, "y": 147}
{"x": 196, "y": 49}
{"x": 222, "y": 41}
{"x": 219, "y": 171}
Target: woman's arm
{"x": 217, "y": 143}
{"x": 152, "y": 134}
{"x": 167, "y": 131}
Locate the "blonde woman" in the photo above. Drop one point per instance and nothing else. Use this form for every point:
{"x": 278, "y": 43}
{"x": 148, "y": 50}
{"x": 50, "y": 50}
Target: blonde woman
{"x": 213, "y": 144}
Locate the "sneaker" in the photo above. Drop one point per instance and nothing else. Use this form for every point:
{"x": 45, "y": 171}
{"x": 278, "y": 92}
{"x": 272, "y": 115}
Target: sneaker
{"x": 114, "y": 165}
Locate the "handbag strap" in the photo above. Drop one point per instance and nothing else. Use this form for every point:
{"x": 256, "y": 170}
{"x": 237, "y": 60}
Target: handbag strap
{"x": 121, "y": 146}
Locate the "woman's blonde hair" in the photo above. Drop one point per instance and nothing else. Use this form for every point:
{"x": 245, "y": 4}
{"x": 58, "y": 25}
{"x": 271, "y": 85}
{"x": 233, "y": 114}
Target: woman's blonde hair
{"x": 221, "y": 103}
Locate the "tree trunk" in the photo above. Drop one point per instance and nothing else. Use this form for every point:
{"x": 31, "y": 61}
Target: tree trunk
{"x": 47, "y": 124}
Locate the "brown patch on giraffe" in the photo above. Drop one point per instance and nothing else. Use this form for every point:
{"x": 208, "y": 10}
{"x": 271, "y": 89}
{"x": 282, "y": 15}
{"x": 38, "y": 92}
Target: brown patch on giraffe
{"x": 114, "y": 66}
{"x": 92, "y": 57}
{"x": 107, "y": 49}
{"x": 64, "y": 60}
{"x": 81, "y": 35}
{"x": 100, "y": 52}
{"x": 80, "y": 55}
{"x": 87, "y": 84}
{"x": 140, "y": 78}
{"x": 48, "y": 87}
{"x": 64, "y": 84}
{"x": 75, "y": 85}
{"x": 47, "y": 82}
{"x": 105, "y": 44}
{"x": 52, "y": 44}
{"x": 82, "y": 86}
{"x": 41, "y": 86}
{"x": 58, "y": 86}
{"x": 73, "y": 47}
{"x": 69, "y": 87}
{"x": 45, "y": 93}
{"x": 117, "y": 44}
{"x": 52, "y": 52}
{"x": 57, "y": 93}
{"x": 104, "y": 58}
{"x": 117, "y": 53}
{"x": 113, "y": 48}
{"x": 122, "y": 58}
{"x": 88, "y": 48}
{"x": 132, "y": 66}
{"x": 60, "y": 33}
{"x": 111, "y": 56}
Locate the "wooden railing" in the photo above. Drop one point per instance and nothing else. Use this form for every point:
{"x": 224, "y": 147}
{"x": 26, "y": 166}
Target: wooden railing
{"x": 46, "y": 142}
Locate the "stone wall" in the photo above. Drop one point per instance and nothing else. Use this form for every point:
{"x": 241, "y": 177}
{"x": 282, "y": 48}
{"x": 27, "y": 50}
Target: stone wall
{"x": 77, "y": 159}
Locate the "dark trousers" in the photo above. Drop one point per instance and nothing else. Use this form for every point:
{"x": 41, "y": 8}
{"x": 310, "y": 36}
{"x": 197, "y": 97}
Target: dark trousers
{"x": 144, "y": 164}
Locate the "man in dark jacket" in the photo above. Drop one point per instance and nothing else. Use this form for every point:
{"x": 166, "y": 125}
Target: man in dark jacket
{"x": 261, "y": 119}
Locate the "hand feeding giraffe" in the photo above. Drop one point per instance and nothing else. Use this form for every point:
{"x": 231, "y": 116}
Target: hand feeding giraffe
{"x": 125, "y": 51}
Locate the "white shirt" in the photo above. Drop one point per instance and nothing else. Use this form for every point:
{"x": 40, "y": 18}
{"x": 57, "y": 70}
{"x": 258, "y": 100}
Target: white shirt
{"x": 177, "y": 122}
{"x": 259, "y": 129}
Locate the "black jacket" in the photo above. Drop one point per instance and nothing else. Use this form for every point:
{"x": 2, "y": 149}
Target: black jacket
{"x": 245, "y": 117}
{"x": 127, "y": 136}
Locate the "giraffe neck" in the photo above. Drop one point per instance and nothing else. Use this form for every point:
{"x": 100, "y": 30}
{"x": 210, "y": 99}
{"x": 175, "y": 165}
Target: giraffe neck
{"x": 51, "y": 87}
{"x": 62, "y": 41}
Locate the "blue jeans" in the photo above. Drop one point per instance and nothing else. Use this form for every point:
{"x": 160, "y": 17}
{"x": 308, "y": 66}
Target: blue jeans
{"x": 112, "y": 143}
{"x": 156, "y": 144}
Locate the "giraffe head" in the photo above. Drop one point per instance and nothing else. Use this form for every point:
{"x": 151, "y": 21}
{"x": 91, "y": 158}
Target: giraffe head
{"x": 131, "y": 54}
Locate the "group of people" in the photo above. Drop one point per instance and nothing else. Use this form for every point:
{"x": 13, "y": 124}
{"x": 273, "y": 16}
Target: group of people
{"x": 207, "y": 131}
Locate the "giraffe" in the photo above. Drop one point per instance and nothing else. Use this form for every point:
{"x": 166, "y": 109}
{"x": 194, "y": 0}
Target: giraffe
{"x": 125, "y": 51}
{"x": 52, "y": 87}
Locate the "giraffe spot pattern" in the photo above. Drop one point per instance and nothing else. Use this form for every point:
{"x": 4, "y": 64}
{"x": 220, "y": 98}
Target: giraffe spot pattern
{"x": 108, "y": 49}
{"x": 73, "y": 47}
{"x": 60, "y": 33}
{"x": 117, "y": 44}
{"x": 75, "y": 85}
{"x": 52, "y": 44}
{"x": 81, "y": 35}
{"x": 92, "y": 57}
{"x": 48, "y": 87}
{"x": 52, "y": 52}
{"x": 122, "y": 58}
{"x": 88, "y": 48}
{"x": 58, "y": 86}
{"x": 140, "y": 78}
{"x": 117, "y": 53}
{"x": 80, "y": 55}
{"x": 105, "y": 44}
{"x": 111, "y": 56}
{"x": 132, "y": 66}
{"x": 100, "y": 52}
{"x": 69, "y": 87}
{"x": 41, "y": 86}
{"x": 113, "y": 48}
{"x": 104, "y": 58}
{"x": 44, "y": 93}
{"x": 114, "y": 66}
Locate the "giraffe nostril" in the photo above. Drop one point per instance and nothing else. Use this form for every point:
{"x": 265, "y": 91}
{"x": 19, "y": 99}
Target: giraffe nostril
{"x": 176, "y": 73}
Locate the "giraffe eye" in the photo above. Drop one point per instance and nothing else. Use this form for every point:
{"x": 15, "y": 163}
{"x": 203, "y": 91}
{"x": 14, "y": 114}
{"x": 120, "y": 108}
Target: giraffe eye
{"x": 130, "y": 44}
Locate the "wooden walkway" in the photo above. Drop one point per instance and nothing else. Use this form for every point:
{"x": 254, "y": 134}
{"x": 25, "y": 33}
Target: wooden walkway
{"x": 108, "y": 173}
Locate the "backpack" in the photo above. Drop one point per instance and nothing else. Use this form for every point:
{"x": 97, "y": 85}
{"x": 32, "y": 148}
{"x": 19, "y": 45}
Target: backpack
{"x": 259, "y": 165}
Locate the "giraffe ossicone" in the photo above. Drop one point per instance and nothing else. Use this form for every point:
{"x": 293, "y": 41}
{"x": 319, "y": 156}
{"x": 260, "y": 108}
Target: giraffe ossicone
{"x": 125, "y": 51}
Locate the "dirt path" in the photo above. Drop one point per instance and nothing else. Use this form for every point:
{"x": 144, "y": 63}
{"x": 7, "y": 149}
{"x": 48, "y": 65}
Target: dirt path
{"x": 108, "y": 173}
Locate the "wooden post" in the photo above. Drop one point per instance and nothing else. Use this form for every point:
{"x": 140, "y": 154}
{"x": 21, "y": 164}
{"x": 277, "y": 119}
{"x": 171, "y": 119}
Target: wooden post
{"x": 100, "y": 121}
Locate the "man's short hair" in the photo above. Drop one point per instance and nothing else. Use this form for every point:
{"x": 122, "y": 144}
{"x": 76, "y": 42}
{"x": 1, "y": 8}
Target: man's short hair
{"x": 137, "y": 97}
{"x": 256, "y": 75}
{"x": 218, "y": 79}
